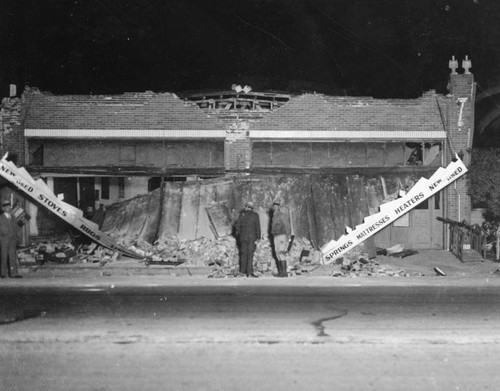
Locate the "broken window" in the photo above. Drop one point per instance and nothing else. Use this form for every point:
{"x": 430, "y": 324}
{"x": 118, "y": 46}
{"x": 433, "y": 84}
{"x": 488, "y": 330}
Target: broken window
{"x": 432, "y": 154}
{"x": 413, "y": 154}
{"x": 423, "y": 153}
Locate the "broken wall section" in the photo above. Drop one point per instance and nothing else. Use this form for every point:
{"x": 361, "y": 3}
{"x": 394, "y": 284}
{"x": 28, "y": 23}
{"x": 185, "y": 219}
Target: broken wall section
{"x": 321, "y": 206}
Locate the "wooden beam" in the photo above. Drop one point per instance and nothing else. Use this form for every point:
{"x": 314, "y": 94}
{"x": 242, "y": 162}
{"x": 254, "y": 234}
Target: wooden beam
{"x": 126, "y": 171}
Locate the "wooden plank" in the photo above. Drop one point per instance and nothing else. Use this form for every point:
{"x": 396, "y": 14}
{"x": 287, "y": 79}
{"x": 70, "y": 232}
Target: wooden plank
{"x": 171, "y": 210}
{"x": 311, "y": 221}
{"x": 298, "y": 188}
{"x": 358, "y": 207}
{"x": 339, "y": 205}
{"x": 126, "y": 170}
{"x": 138, "y": 216}
{"x": 189, "y": 210}
{"x": 220, "y": 220}
{"x": 153, "y": 212}
{"x": 327, "y": 208}
{"x": 119, "y": 218}
{"x": 207, "y": 196}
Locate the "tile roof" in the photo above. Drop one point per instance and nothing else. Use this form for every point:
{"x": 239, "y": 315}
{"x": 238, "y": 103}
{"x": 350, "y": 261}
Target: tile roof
{"x": 166, "y": 111}
{"x": 146, "y": 110}
{"x": 317, "y": 112}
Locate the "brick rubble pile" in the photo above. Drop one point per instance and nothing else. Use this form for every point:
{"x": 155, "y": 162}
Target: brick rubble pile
{"x": 221, "y": 256}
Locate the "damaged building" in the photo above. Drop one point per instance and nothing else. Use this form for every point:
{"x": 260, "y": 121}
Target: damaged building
{"x": 155, "y": 164}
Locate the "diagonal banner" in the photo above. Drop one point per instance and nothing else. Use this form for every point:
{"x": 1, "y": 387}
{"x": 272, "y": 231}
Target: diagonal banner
{"x": 391, "y": 211}
{"x": 39, "y": 192}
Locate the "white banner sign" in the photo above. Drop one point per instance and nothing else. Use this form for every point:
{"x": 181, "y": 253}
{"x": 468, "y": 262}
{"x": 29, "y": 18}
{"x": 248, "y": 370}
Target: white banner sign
{"x": 39, "y": 191}
{"x": 391, "y": 211}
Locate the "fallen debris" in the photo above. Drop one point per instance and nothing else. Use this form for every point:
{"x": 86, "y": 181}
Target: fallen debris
{"x": 363, "y": 267}
{"x": 439, "y": 272}
{"x": 174, "y": 250}
{"x": 62, "y": 250}
{"x": 395, "y": 249}
{"x": 404, "y": 253}
{"x": 220, "y": 256}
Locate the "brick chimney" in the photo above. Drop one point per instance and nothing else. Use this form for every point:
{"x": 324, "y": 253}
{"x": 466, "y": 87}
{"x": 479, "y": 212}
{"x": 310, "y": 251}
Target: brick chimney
{"x": 461, "y": 98}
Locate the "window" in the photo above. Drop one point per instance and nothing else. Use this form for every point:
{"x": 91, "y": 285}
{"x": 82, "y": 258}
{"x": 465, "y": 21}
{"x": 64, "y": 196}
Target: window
{"x": 105, "y": 188}
{"x": 437, "y": 201}
{"x": 155, "y": 182}
{"x": 394, "y": 154}
{"x": 121, "y": 187}
{"x": 346, "y": 154}
{"x": 262, "y": 153}
{"x": 375, "y": 154}
{"x": 356, "y": 154}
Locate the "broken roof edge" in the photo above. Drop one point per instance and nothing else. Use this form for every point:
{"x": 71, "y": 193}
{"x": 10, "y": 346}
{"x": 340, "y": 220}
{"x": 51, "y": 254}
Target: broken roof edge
{"x": 354, "y": 101}
{"x": 146, "y": 95}
{"x": 191, "y": 96}
{"x": 36, "y": 103}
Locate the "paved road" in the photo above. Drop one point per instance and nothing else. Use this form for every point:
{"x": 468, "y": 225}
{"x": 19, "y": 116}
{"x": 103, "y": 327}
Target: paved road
{"x": 232, "y": 337}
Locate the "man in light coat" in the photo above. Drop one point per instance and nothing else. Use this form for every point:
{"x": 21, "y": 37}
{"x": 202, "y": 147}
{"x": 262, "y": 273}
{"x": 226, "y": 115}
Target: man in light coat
{"x": 282, "y": 236}
{"x": 8, "y": 242}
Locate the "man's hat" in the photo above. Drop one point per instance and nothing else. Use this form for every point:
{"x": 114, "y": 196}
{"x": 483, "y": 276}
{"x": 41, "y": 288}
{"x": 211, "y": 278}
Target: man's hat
{"x": 249, "y": 204}
{"x": 276, "y": 203}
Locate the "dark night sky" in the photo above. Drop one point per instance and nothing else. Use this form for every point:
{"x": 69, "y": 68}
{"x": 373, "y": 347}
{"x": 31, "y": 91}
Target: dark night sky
{"x": 381, "y": 48}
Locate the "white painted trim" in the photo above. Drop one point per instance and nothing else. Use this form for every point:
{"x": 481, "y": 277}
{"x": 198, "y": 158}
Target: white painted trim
{"x": 346, "y": 135}
{"x": 123, "y": 133}
{"x": 254, "y": 134}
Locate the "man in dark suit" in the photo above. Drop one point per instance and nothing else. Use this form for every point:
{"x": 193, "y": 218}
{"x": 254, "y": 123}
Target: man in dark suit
{"x": 248, "y": 233}
{"x": 8, "y": 242}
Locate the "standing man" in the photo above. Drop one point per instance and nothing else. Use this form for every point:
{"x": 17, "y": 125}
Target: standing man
{"x": 248, "y": 232}
{"x": 8, "y": 242}
{"x": 282, "y": 236}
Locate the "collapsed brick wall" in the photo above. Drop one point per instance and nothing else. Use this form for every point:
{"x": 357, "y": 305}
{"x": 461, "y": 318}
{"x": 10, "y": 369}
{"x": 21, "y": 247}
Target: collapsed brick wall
{"x": 11, "y": 132}
{"x": 321, "y": 206}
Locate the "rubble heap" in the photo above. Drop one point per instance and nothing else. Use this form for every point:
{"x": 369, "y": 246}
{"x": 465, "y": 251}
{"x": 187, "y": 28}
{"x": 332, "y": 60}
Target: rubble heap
{"x": 62, "y": 250}
{"x": 220, "y": 255}
{"x": 175, "y": 251}
{"x": 355, "y": 263}
{"x": 363, "y": 267}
